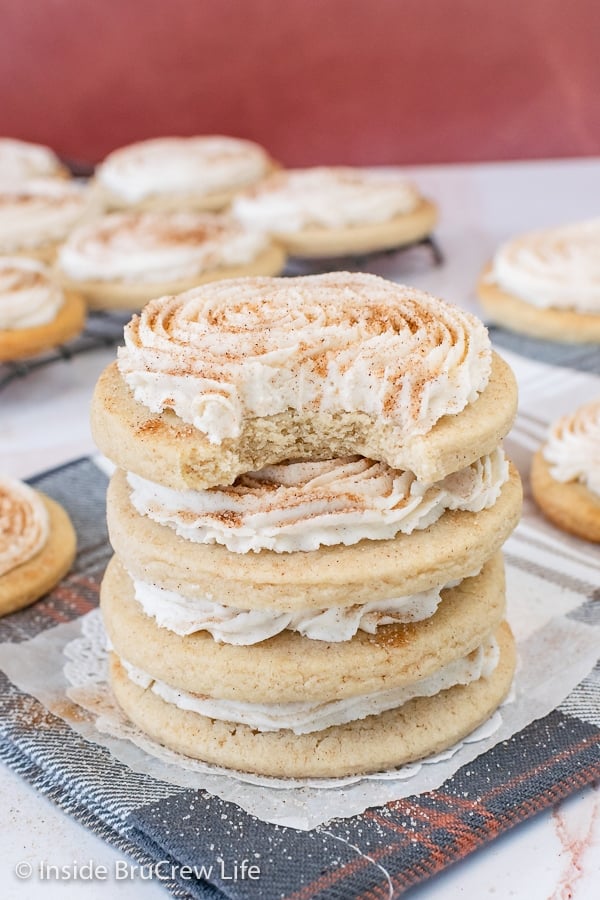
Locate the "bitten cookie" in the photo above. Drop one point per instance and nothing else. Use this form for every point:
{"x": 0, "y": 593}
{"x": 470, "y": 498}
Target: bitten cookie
{"x": 35, "y": 313}
{"x": 323, "y": 212}
{"x": 201, "y": 173}
{"x": 545, "y": 284}
{"x": 37, "y": 545}
{"x": 239, "y": 374}
{"x": 565, "y": 473}
{"x": 123, "y": 260}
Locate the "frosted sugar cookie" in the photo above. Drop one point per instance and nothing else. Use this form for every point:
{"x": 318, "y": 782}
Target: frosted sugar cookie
{"x": 36, "y": 215}
{"x": 565, "y": 474}
{"x": 547, "y": 284}
{"x": 123, "y": 260}
{"x": 158, "y": 535}
{"x": 21, "y": 160}
{"x": 289, "y": 667}
{"x": 180, "y": 173}
{"x": 443, "y": 709}
{"x": 37, "y": 545}
{"x": 239, "y": 374}
{"x": 35, "y": 313}
{"x": 334, "y": 211}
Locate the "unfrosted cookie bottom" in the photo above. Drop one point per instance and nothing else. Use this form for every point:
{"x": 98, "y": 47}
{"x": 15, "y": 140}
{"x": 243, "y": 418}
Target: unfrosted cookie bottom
{"x": 421, "y": 727}
{"x": 570, "y": 506}
{"x": 32, "y": 579}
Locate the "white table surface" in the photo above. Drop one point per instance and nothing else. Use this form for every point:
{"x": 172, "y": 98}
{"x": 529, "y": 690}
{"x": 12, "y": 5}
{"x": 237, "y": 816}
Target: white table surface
{"x": 44, "y": 422}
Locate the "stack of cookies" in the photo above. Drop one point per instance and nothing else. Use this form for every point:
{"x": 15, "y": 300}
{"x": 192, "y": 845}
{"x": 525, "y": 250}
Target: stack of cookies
{"x": 307, "y": 518}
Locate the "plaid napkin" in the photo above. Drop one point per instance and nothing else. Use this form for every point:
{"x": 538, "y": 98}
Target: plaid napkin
{"x": 377, "y": 854}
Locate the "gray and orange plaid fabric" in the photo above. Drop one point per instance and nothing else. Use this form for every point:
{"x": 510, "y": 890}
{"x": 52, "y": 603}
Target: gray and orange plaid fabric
{"x": 378, "y": 854}
{"x": 391, "y": 847}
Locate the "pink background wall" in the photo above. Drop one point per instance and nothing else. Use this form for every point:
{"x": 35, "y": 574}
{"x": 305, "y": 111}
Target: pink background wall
{"x": 355, "y": 81}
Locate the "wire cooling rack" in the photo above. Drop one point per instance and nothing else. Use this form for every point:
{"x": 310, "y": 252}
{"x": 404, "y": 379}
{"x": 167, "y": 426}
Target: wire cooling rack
{"x": 102, "y": 329}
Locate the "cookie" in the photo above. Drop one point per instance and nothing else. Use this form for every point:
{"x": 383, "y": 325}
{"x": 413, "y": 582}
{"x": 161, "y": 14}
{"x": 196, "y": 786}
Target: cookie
{"x": 201, "y": 173}
{"x": 545, "y": 284}
{"x": 37, "y": 545}
{"x": 570, "y": 506}
{"x": 236, "y": 375}
{"x": 123, "y": 260}
{"x": 21, "y": 161}
{"x": 419, "y": 728}
{"x": 36, "y": 215}
{"x": 324, "y": 212}
{"x": 511, "y": 312}
{"x": 289, "y": 667}
{"x": 564, "y": 474}
{"x": 35, "y": 313}
{"x": 456, "y": 545}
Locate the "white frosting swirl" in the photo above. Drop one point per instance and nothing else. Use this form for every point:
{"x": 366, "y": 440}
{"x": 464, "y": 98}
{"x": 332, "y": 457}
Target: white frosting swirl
{"x": 573, "y": 447}
{"x": 555, "y": 268}
{"x": 330, "y": 343}
{"x": 305, "y": 505}
{"x": 24, "y": 524}
{"x": 20, "y": 161}
{"x": 231, "y": 625}
{"x": 28, "y": 295}
{"x": 303, "y": 718}
{"x": 334, "y": 197}
{"x": 156, "y": 247}
{"x": 38, "y": 212}
{"x": 194, "y": 165}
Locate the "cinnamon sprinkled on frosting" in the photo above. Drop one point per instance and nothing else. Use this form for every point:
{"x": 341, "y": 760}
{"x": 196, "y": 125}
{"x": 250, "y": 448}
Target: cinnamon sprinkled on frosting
{"x": 329, "y": 197}
{"x": 304, "y": 505}
{"x": 337, "y": 342}
{"x": 195, "y": 165}
{"x": 38, "y": 212}
{"x": 29, "y": 297}
{"x": 23, "y": 524}
{"x": 553, "y": 268}
{"x": 156, "y": 247}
